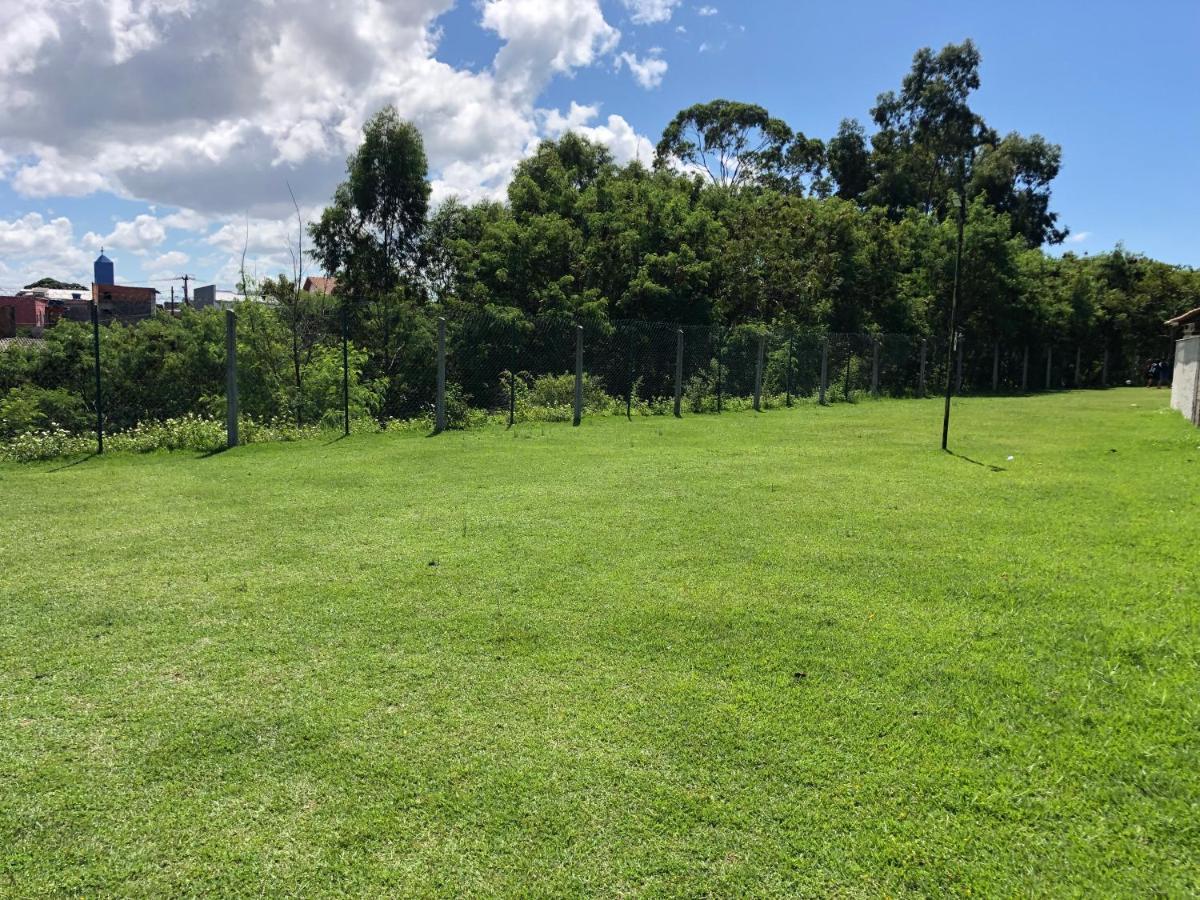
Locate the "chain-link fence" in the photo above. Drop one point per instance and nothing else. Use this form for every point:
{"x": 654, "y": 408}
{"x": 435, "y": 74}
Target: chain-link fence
{"x": 218, "y": 377}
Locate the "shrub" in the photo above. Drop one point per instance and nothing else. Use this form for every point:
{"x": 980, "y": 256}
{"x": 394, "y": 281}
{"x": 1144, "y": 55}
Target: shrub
{"x": 29, "y": 408}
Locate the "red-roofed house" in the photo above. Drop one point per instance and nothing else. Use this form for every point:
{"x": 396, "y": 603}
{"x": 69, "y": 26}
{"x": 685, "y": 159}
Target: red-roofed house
{"x": 318, "y": 284}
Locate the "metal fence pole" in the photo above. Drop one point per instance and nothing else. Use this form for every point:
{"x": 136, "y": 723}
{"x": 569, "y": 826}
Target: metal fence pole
{"x": 1078, "y": 366}
{"x": 1049, "y": 361}
{"x": 345, "y": 372}
{"x": 678, "y": 373}
{"x": 849, "y": 360}
{"x": 231, "y": 382}
{"x": 921, "y": 376}
{"x": 996, "y": 367}
{"x": 1025, "y": 371}
{"x": 439, "y": 413}
{"x": 824, "y": 368}
{"x": 787, "y": 379}
{"x": 578, "y": 375}
{"x": 758, "y": 369}
{"x": 875, "y": 367}
{"x": 95, "y": 310}
{"x": 1104, "y": 370}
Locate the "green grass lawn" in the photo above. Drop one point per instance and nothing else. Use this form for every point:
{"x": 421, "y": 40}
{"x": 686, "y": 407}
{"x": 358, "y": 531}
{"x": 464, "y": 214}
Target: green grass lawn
{"x": 796, "y": 653}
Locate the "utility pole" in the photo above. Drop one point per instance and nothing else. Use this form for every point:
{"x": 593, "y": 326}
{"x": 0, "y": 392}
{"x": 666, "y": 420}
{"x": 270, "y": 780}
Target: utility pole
{"x": 185, "y": 278}
{"x": 962, "y": 215}
{"x": 172, "y": 299}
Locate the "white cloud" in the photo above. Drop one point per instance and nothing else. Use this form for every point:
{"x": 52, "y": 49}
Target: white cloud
{"x": 33, "y": 247}
{"x": 209, "y": 107}
{"x": 139, "y": 235}
{"x": 1078, "y": 237}
{"x": 617, "y": 134}
{"x": 706, "y": 10}
{"x": 648, "y": 72}
{"x": 169, "y": 265}
{"x": 544, "y": 38}
{"x": 647, "y": 12}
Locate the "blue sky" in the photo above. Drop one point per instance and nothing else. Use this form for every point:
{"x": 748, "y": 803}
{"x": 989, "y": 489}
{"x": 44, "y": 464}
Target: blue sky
{"x": 175, "y": 161}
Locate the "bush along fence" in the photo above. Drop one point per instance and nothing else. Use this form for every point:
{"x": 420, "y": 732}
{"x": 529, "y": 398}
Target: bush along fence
{"x": 217, "y": 378}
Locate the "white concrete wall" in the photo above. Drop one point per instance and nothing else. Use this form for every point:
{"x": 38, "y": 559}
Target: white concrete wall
{"x": 1185, "y": 384}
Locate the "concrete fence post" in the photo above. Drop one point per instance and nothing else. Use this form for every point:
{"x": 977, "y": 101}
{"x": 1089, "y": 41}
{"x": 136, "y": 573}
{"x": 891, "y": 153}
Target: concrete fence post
{"x": 787, "y": 380}
{"x": 679, "y": 373}
{"x": 921, "y": 375}
{"x": 758, "y": 372}
{"x": 996, "y": 367}
{"x": 95, "y": 314}
{"x": 578, "y": 417}
{"x": 720, "y": 362}
{"x": 1025, "y": 371}
{"x": 1049, "y": 364}
{"x": 958, "y": 364}
{"x": 231, "y": 381}
{"x": 824, "y": 368}
{"x": 875, "y": 367}
{"x": 439, "y": 415}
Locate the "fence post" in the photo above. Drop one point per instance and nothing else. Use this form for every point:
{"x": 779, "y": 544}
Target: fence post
{"x": 958, "y": 365}
{"x": 1049, "y": 361}
{"x": 345, "y": 372}
{"x": 629, "y": 389}
{"x": 849, "y": 360}
{"x": 578, "y": 376}
{"x": 1078, "y": 366}
{"x": 1025, "y": 371}
{"x": 231, "y": 383}
{"x": 1104, "y": 370}
{"x": 758, "y": 367}
{"x": 512, "y": 381}
{"x": 921, "y": 376}
{"x": 678, "y": 372}
{"x": 720, "y": 347}
{"x": 99, "y": 393}
{"x": 996, "y": 367}
{"x": 875, "y": 367}
{"x": 788, "y": 377}
{"x": 439, "y": 414}
{"x": 824, "y": 368}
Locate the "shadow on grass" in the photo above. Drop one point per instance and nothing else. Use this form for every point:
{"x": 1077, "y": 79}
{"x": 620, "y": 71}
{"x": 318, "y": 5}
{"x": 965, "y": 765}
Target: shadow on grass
{"x": 74, "y": 462}
{"x": 340, "y": 437}
{"x": 976, "y": 462}
{"x": 215, "y": 451}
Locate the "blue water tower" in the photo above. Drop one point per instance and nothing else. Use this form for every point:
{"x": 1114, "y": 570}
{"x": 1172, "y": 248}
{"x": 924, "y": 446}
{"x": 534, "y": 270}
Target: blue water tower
{"x": 102, "y": 269}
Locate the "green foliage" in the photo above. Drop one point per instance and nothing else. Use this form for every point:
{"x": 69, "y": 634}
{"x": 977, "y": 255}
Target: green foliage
{"x": 55, "y": 284}
{"x": 32, "y": 408}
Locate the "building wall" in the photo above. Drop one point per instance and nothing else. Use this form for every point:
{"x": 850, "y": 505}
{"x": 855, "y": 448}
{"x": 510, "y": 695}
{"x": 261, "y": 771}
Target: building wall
{"x": 121, "y": 302}
{"x": 204, "y": 296}
{"x": 30, "y": 311}
{"x": 1185, "y": 386}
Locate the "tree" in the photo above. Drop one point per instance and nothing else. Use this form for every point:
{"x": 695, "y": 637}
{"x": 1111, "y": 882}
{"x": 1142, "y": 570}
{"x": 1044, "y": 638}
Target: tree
{"x": 1014, "y": 176}
{"x": 371, "y": 233}
{"x": 849, "y": 161}
{"x": 734, "y": 143}
{"x": 927, "y": 131}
